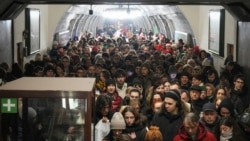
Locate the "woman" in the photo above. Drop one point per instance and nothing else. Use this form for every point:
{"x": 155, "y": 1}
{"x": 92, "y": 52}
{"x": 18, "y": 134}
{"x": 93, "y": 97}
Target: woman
{"x": 150, "y": 112}
{"x": 113, "y": 94}
{"x": 157, "y": 87}
{"x": 167, "y": 85}
{"x": 210, "y": 89}
{"x": 100, "y": 83}
{"x": 226, "y": 129}
{"x": 218, "y": 101}
{"x": 103, "y": 112}
{"x": 221, "y": 92}
{"x": 135, "y": 127}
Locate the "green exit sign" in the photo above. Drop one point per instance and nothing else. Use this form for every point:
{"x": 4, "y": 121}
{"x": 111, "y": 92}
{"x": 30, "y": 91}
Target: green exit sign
{"x": 9, "y": 105}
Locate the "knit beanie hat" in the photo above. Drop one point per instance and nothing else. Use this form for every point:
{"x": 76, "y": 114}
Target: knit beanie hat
{"x": 117, "y": 121}
{"x": 173, "y": 94}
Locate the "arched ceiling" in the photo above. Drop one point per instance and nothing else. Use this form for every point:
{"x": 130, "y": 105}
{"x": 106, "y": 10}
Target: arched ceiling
{"x": 147, "y": 10}
{"x": 165, "y": 19}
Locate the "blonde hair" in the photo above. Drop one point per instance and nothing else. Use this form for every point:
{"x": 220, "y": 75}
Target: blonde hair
{"x": 153, "y": 134}
{"x": 129, "y": 88}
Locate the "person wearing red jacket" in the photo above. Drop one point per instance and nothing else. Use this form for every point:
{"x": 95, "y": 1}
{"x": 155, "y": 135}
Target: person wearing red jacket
{"x": 167, "y": 49}
{"x": 158, "y": 46}
{"x": 193, "y": 130}
{"x": 113, "y": 94}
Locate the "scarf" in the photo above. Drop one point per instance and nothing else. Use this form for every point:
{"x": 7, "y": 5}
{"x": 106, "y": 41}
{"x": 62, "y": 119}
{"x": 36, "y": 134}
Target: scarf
{"x": 227, "y": 135}
{"x": 101, "y": 86}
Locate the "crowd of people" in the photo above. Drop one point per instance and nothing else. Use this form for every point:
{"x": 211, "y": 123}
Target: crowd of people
{"x": 152, "y": 89}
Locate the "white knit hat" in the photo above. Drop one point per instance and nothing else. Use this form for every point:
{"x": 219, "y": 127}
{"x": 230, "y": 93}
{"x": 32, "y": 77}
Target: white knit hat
{"x": 117, "y": 121}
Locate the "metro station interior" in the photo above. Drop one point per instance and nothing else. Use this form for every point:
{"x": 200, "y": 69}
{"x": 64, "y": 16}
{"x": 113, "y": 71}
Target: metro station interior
{"x": 169, "y": 17}
{"x": 164, "y": 16}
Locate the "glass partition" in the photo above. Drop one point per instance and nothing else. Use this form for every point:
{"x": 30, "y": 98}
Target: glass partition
{"x": 50, "y": 119}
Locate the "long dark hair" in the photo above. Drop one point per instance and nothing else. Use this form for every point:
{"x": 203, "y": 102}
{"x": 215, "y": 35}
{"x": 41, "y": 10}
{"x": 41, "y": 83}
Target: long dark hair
{"x": 102, "y": 101}
{"x": 134, "y": 112}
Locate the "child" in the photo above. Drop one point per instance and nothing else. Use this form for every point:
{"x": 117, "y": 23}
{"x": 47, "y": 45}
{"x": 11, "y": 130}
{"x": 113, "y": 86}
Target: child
{"x": 153, "y": 134}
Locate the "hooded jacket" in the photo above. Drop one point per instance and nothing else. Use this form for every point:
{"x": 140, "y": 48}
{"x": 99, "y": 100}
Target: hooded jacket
{"x": 228, "y": 104}
{"x": 203, "y": 135}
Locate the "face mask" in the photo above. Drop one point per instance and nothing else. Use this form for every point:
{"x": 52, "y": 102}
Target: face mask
{"x": 227, "y": 135}
{"x": 130, "y": 73}
{"x": 173, "y": 75}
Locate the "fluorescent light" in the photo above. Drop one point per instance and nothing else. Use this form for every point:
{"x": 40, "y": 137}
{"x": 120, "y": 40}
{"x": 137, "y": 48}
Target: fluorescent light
{"x": 121, "y": 14}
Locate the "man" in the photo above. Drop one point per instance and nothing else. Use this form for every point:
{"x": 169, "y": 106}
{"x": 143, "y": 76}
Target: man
{"x": 145, "y": 78}
{"x": 67, "y": 65}
{"x": 134, "y": 94}
{"x": 38, "y": 71}
{"x": 169, "y": 119}
{"x": 193, "y": 130}
{"x": 184, "y": 80}
{"x": 80, "y": 72}
{"x": 210, "y": 117}
{"x": 197, "y": 80}
{"x": 239, "y": 94}
{"x": 121, "y": 85}
{"x": 49, "y": 71}
{"x": 196, "y": 102}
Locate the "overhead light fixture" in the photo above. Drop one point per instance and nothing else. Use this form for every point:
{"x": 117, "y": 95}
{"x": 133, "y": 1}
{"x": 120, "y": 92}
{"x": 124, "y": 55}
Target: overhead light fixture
{"x": 91, "y": 10}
